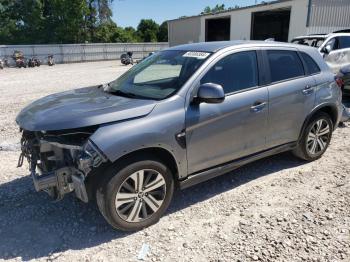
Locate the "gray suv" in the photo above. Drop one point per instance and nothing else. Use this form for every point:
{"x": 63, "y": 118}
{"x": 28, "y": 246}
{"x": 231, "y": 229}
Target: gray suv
{"x": 180, "y": 117}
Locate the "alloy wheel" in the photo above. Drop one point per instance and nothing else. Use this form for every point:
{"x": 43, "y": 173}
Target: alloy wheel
{"x": 318, "y": 137}
{"x": 140, "y": 195}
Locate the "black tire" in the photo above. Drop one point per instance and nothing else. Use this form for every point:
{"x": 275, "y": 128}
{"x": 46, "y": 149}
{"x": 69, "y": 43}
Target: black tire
{"x": 115, "y": 176}
{"x": 303, "y": 150}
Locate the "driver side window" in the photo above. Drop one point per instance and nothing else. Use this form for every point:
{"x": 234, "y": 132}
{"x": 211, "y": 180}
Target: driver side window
{"x": 234, "y": 72}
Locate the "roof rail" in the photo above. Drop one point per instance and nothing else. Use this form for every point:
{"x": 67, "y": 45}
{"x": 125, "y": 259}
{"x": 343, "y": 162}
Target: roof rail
{"x": 342, "y": 31}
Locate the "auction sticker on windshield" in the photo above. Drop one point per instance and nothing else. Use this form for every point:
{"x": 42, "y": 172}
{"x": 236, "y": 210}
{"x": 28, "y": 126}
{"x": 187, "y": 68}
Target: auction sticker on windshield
{"x": 198, "y": 55}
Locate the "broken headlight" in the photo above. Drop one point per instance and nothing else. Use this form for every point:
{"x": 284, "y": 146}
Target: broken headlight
{"x": 90, "y": 158}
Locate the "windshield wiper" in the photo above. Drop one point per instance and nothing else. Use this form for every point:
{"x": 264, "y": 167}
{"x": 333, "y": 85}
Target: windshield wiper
{"x": 122, "y": 93}
{"x": 129, "y": 95}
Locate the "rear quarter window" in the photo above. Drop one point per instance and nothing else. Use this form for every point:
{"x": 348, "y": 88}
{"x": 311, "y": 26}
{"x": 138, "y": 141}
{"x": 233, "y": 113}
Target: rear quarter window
{"x": 284, "y": 65}
{"x": 344, "y": 42}
{"x": 311, "y": 66}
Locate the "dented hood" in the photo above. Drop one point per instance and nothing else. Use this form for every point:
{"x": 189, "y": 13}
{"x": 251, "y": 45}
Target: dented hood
{"x": 80, "y": 108}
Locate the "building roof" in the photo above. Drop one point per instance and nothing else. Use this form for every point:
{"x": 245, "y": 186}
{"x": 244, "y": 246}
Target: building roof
{"x": 232, "y": 10}
{"x": 216, "y": 46}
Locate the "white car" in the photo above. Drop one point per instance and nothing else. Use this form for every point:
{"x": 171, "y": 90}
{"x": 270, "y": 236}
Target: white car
{"x": 325, "y": 43}
{"x": 335, "y": 49}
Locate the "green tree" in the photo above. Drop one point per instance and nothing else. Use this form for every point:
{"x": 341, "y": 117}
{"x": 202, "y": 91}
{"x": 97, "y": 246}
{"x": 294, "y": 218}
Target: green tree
{"x": 131, "y": 34}
{"x": 99, "y": 13}
{"x": 105, "y": 32}
{"x": 215, "y": 9}
{"x": 8, "y": 26}
{"x": 163, "y": 32}
{"x": 147, "y": 30}
{"x": 69, "y": 21}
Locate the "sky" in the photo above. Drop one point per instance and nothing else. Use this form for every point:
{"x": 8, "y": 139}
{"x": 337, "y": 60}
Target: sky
{"x": 130, "y": 12}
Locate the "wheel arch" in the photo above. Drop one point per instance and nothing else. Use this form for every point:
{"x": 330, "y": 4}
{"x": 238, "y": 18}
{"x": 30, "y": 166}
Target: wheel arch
{"x": 160, "y": 153}
{"x": 329, "y": 109}
{"x": 166, "y": 157}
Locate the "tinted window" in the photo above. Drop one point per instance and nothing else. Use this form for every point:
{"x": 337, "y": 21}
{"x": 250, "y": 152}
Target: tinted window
{"x": 234, "y": 72}
{"x": 284, "y": 65}
{"x": 344, "y": 42}
{"x": 311, "y": 66}
{"x": 333, "y": 43}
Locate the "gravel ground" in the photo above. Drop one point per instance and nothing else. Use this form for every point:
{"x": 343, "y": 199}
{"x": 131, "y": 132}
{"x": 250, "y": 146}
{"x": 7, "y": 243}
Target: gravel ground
{"x": 276, "y": 209}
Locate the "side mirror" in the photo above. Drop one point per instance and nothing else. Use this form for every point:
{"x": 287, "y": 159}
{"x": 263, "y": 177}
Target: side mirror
{"x": 210, "y": 93}
{"x": 327, "y": 49}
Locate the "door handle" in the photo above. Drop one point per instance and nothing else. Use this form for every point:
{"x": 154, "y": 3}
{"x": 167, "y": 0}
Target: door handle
{"x": 258, "y": 106}
{"x": 308, "y": 90}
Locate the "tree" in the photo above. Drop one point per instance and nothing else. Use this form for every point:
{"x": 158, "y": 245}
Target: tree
{"x": 131, "y": 34}
{"x": 105, "y": 31}
{"x": 147, "y": 30}
{"x": 8, "y": 23}
{"x": 163, "y": 32}
{"x": 104, "y": 10}
{"x": 69, "y": 21}
{"x": 215, "y": 9}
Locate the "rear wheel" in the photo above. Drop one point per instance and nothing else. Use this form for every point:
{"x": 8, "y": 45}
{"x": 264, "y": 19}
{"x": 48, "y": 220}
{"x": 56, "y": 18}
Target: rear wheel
{"x": 316, "y": 137}
{"x": 135, "y": 194}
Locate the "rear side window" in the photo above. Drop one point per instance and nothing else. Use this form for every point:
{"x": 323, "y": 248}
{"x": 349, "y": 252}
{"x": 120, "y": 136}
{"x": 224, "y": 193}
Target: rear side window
{"x": 344, "y": 42}
{"x": 311, "y": 65}
{"x": 284, "y": 65}
{"x": 234, "y": 72}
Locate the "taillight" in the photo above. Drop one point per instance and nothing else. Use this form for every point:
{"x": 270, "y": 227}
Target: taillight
{"x": 340, "y": 82}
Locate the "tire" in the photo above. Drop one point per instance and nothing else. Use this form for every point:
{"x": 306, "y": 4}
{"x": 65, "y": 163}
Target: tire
{"x": 141, "y": 208}
{"x": 315, "y": 138}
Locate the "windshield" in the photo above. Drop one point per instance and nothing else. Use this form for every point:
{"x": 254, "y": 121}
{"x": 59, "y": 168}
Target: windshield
{"x": 314, "y": 42}
{"x": 158, "y": 76}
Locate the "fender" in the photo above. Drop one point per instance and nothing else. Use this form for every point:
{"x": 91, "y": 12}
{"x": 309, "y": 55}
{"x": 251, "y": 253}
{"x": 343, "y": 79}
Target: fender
{"x": 156, "y": 130}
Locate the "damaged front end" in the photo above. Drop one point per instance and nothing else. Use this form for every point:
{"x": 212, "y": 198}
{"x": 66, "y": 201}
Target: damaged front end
{"x": 60, "y": 161}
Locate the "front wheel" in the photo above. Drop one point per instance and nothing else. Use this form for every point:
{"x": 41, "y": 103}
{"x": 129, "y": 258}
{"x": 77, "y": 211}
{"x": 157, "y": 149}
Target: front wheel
{"x": 135, "y": 194}
{"x": 316, "y": 137}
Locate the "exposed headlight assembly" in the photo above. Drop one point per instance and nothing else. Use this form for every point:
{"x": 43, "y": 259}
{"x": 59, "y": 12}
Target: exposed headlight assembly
{"x": 90, "y": 157}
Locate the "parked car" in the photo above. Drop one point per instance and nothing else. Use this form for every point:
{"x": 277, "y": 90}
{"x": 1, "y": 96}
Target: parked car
{"x": 344, "y": 77}
{"x": 326, "y": 43}
{"x": 183, "y": 116}
{"x": 334, "y": 47}
{"x": 310, "y": 40}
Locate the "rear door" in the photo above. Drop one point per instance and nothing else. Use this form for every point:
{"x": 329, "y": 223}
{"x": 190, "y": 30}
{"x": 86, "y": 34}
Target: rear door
{"x": 291, "y": 95}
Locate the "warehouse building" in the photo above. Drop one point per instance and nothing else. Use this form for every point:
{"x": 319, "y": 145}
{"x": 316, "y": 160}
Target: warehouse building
{"x": 282, "y": 20}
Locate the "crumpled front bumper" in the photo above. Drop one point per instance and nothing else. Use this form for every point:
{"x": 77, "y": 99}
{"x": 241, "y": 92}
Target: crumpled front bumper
{"x": 60, "y": 182}
{"x": 59, "y": 168}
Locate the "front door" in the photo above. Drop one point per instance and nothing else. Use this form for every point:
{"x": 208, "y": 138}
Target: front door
{"x": 219, "y": 133}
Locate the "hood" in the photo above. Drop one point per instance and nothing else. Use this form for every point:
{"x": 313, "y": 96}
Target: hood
{"x": 80, "y": 108}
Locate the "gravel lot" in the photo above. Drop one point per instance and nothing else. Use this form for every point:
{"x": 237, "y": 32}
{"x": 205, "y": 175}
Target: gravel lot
{"x": 276, "y": 209}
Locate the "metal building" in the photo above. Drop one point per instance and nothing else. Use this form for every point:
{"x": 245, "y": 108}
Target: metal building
{"x": 281, "y": 20}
